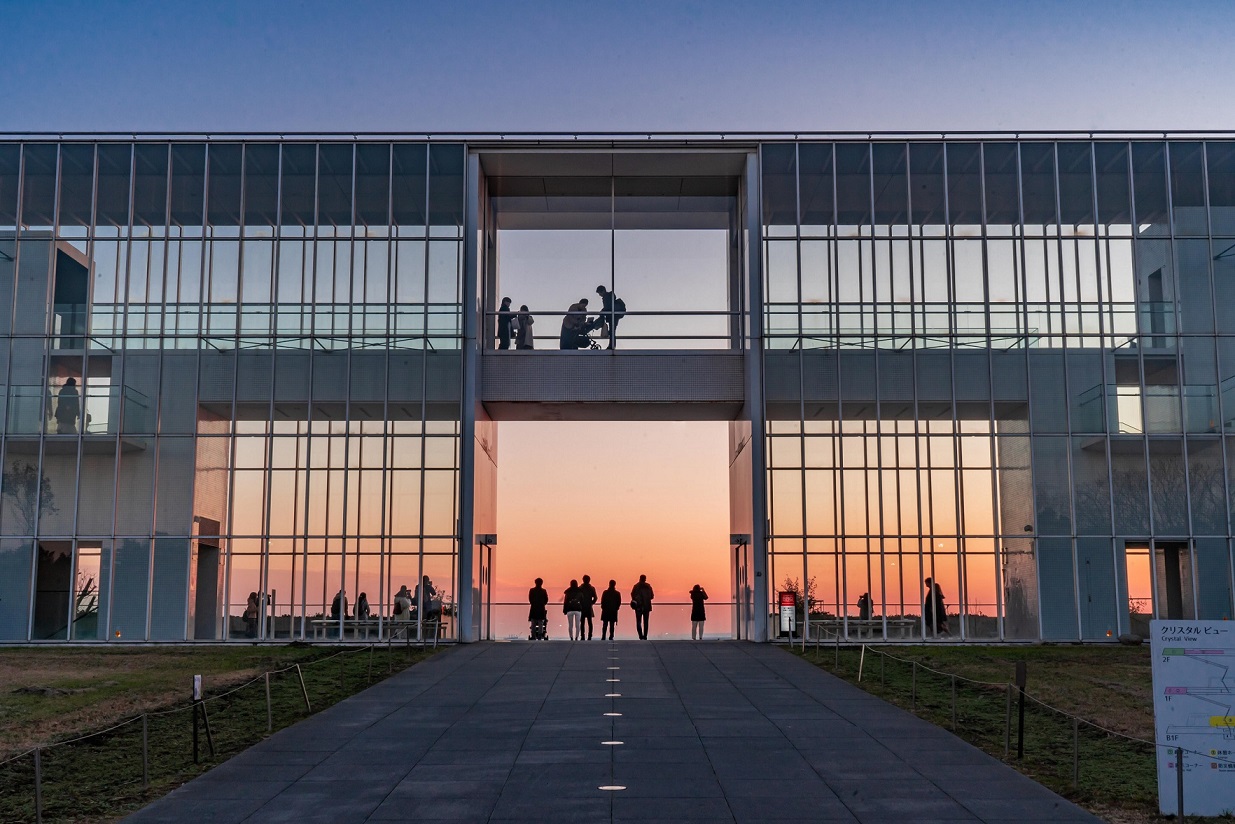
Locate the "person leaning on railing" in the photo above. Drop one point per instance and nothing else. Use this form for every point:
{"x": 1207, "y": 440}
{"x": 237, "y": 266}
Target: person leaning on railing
{"x": 575, "y": 325}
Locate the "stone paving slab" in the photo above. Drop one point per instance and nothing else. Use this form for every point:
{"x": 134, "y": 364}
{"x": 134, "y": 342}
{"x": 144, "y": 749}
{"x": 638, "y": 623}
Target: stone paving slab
{"x": 710, "y": 731}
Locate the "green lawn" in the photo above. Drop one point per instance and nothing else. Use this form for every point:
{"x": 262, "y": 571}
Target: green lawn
{"x": 1108, "y": 686}
{"x": 53, "y": 695}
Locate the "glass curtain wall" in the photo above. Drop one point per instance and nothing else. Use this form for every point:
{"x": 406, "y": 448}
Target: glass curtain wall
{"x": 232, "y": 384}
{"x": 1003, "y": 366}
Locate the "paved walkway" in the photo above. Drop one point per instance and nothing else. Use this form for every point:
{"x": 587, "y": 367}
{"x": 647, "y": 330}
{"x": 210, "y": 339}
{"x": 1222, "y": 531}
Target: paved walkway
{"x": 714, "y": 731}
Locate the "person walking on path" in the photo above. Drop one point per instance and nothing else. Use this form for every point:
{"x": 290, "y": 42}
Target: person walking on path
{"x": 505, "y": 325}
{"x": 523, "y": 335}
{"x": 641, "y": 596}
{"x": 537, "y": 614}
{"x": 697, "y": 612}
{"x": 934, "y": 609}
{"x": 572, "y": 605}
{"x": 587, "y": 601}
{"x": 610, "y": 603}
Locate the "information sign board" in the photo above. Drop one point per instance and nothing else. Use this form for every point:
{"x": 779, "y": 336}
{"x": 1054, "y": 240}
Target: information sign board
{"x": 788, "y": 612}
{"x": 1194, "y": 708}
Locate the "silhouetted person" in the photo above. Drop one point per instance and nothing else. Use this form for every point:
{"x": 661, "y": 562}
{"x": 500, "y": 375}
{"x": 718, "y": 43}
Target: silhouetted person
{"x": 641, "y": 596}
{"x": 864, "y": 607}
{"x": 610, "y": 603}
{"x": 934, "y": 610}
{"x": 362, "y": 608}
{"x": 403, "y": 604}
{"x": 505, "y": 324}
{"x": 572, "y": 607}
{"x": 523, "y": 334}
{"x": 338, "y": 607}
{"x": 612, "y": 310}
{"x": 68, "y": 408}
{"x": 698, "y": 614}
{"x": 575, "y": 327}
{"x": 537, "y": 614}
{"x": 427, "y": 602}
{"x": 251, "y": 612}
{"x": 587, "y": 601}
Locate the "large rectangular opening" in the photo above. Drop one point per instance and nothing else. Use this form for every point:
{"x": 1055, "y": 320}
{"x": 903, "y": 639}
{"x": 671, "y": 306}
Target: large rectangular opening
{"x": 613, "y": 500}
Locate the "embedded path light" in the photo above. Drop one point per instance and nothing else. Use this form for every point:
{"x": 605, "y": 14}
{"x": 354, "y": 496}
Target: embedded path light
{"x": 614, "y": 743}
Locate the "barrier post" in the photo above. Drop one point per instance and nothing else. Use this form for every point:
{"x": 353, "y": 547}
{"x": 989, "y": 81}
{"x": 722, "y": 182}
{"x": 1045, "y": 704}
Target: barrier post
{"x": 1007, "y": 722}
{"x": 269, "y": 706}
{"x": 836, "y": 660}
{"x": 342, "y": 688}
{"x": 914, "y": 688}
{"x": 370, "y": 664}
{"x": 1021, "y": 678}
{"x": 304, "y": 690}
{"x": 861, "y": 663}
{"x": 881, "y": 660}
{"x": 197, "y": 698}
{"x": 145, "y": 752}
{"x": 1179, "y": 781}
{"x": 38, "y": 785}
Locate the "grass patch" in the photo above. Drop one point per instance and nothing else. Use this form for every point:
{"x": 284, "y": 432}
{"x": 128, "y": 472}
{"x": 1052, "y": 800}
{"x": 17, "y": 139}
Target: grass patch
{"x": 1108, "y": 686}
{"x": 82, "y": 691}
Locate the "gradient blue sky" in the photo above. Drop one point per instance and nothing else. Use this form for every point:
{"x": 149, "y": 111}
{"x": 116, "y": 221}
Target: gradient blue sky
{"x": 695, "y": 64}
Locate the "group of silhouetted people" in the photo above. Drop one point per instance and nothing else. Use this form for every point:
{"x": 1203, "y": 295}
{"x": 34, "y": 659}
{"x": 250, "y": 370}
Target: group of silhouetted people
{"x": 514, "y": 329}
{"x": 579, "y": 602}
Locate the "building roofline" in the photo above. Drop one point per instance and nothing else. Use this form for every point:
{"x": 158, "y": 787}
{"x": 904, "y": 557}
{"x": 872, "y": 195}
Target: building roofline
{"x": 625, "y": 138}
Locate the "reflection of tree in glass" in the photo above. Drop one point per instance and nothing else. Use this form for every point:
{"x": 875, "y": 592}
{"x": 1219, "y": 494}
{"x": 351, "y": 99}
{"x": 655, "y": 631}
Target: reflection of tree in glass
{"x": 24, "y": 492}
{"x": 86, "y": 600}
{"x": 794, "y": 585}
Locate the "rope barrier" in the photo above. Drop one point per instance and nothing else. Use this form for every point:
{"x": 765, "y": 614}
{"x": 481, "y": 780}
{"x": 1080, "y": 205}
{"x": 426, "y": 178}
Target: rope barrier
{"x": 1044, "y": 705}
{"x": 189, "y": 708}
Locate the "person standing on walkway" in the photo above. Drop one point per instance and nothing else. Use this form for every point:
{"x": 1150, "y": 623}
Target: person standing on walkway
{"x": 934, "y": 610}
{"x": 523, "y": 334}
{"x": 363, "y": 610}
{"x": 587, "y": 602}
{"x": 572, "y": 605}
{"x": 403, "y": 604}
{"x": 864, "y": 607}
{"x": 610, "y": 603}
{"x": 537, "y": 614}
{"x": 612, "y": 310}
{"x": 505, "y": 325}
{"x": 641, "y": 596}
{"x": 697, "y": 612}
{"x": 68, "y": 408}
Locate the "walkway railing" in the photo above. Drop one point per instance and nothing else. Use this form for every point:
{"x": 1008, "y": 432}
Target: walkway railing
{"x": 675, "y": 329}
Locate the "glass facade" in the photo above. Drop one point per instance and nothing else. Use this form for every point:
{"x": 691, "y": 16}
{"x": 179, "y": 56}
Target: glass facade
{"x": 241, "y": 377}
{"x": 1003, "y": 366}
{"x": 232, "y": 384}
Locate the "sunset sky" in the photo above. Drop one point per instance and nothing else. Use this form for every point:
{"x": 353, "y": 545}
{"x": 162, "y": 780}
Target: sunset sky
{"x": 613, "y": 500}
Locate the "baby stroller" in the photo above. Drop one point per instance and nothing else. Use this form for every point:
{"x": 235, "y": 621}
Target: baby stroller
{"x": 540, "y": 630}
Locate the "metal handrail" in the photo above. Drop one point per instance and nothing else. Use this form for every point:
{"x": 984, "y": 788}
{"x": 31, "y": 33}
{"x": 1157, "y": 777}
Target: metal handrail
{"x": 648, "y": 135}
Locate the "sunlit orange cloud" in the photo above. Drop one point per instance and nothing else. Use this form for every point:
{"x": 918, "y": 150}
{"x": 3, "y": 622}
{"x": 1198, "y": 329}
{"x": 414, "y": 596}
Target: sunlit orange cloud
{"x": 613, "y": 500}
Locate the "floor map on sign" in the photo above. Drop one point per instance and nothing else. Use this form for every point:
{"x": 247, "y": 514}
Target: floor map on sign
{"x": 1194, "y": 708}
